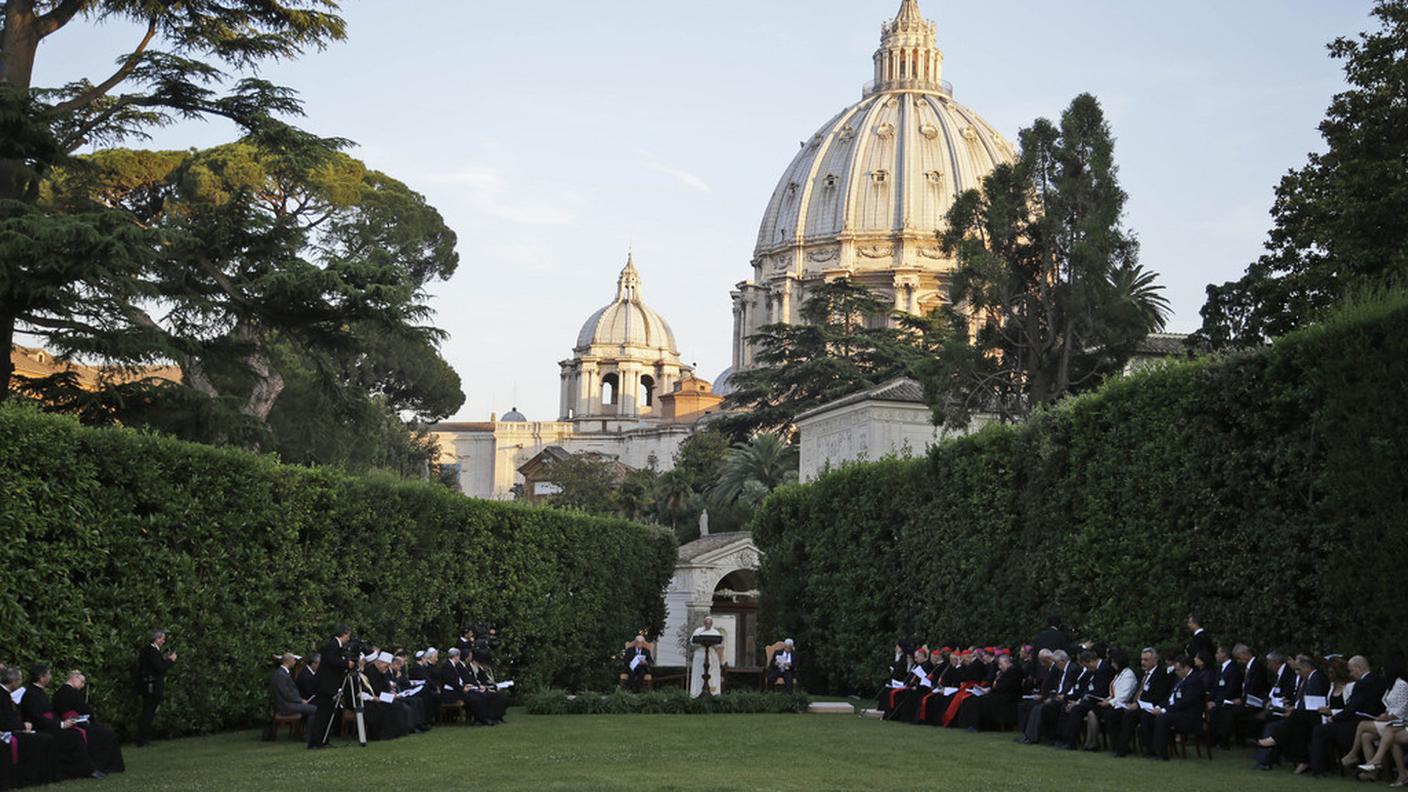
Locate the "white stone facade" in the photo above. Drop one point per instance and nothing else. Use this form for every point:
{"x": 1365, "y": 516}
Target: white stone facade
{"x": 891, "y": 419}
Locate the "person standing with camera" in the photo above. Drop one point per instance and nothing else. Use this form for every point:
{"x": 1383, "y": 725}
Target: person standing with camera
{"x": 152, "y": 665}
{"x": 332, "y": 674}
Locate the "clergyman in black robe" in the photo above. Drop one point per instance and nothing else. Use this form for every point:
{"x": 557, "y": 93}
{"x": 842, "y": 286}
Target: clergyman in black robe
{"x": 71, "y": 701}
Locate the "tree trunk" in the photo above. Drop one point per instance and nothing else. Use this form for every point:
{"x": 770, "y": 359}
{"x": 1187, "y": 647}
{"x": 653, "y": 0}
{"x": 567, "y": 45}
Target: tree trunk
{"x": 20, "y": 44}
{"x": 268, "y": 384}
{"x": 7, "y": 339}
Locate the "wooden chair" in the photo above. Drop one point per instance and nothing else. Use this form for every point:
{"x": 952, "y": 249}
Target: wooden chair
{"x": 770, "y": 650}
{"x": 451, "y": 711}
{"x": 649, "y": 681}
{"x": 293, "y": 721}
{"x": 349, "y": 721}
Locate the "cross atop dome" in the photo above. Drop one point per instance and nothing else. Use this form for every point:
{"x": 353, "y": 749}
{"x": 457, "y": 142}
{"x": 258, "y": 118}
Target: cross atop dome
{"x": 909, "y": 58}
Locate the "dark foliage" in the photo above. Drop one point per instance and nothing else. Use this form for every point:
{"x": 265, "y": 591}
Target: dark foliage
{"x": 109, "y": 533}
{"x": 1263, "y": 489}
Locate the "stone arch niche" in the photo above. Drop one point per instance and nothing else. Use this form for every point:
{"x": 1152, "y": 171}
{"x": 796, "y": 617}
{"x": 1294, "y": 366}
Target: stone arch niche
{"x": 709, "y": 575}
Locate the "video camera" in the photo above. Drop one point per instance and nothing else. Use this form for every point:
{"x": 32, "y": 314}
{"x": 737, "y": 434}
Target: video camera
{"x": 486, "y": 640}
{"x": 355, "y": 649}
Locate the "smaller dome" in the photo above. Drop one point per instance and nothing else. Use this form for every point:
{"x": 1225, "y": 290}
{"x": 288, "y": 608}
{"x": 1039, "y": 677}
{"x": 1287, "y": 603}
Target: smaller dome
{"x": 722, "y": 386}
{"x": 627, "y": 321}
{"x": 513, "y": 416}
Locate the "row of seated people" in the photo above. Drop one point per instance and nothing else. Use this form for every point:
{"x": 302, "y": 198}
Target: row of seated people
{"x": 402, "y": 694}
{"x": 45, "y": 739}
{"x": 1314, "y": 712}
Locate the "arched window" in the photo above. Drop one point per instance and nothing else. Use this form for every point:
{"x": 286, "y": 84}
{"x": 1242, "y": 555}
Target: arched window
{"x": 610, "y": 388}
{"x": 647, "y": 387}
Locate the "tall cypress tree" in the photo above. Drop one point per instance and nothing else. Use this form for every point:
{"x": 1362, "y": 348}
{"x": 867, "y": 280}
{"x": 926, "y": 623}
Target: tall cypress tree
{"x": 1048, "y": 297}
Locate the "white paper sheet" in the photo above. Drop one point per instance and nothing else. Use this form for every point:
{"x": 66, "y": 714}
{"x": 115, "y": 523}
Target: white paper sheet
{"x": 1255, "y": 702}
{"x": 504, "y": 685}
{"x": 386, "y": 698}
{"x": 1315, "y": 702}
{"x": 636, "y": 661}
{"x": 1146, "y": 706}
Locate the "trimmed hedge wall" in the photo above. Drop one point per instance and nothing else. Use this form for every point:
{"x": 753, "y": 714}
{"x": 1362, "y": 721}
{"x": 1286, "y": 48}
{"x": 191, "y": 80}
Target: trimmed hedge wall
{"x": 108, "y": 533}
{"x": 1267, "y": 491}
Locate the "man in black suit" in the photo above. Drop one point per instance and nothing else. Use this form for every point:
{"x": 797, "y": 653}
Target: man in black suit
{"x": 1159, "y": 682}
{"x": 1364, "y": 703}
{"x": 1065, "y": 677}
{"x": 1225, "y": 700}
{"x": 1089, "y": 686}
{"x": 334, "y": 664}
{"x": 1183, "y": 713}
{"x": 1051, "y": 637}
{"x": 307, "y": 679}
{"x": 1290, "y": 736}
{"x": 784, "y": 666}
{"x": 635, "y": 664}
{"x": 152, "y": 665}
{"x": 1201, "y": 642}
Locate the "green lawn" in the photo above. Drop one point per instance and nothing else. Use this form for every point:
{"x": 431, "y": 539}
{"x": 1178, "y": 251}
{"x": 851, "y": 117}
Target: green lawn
{"x": 722, "y": 752}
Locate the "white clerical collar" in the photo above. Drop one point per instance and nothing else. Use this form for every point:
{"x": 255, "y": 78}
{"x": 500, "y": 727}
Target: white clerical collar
{"x": 1198, "y": 631}
{"x": 1226, "y": 663}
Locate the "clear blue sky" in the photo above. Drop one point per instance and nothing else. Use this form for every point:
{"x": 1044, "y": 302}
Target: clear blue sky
{"x": 553, "y": 134}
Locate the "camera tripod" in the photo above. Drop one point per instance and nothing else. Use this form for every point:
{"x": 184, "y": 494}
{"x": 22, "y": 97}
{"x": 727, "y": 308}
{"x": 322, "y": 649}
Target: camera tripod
{"x": 352, "y": 685}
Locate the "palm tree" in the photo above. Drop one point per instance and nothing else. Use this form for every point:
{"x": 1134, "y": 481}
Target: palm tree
{"x": 755, "y": 468}
{"x": 1135, "y": 289}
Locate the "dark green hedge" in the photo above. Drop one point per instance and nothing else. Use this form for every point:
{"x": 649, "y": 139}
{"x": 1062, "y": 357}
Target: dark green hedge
{"x": 108, "y": 533}
{"x": 1267, "y": 490}
{"x": 664, "y": 702}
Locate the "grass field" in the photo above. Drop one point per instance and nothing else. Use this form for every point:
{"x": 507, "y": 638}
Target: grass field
{"x": 685, "y": 752}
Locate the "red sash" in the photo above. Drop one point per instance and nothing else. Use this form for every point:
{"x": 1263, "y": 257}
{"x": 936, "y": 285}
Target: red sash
{"x": 961, "y": 696}
{"x": 72, "y": 714}
{"x": 15, "y": 748}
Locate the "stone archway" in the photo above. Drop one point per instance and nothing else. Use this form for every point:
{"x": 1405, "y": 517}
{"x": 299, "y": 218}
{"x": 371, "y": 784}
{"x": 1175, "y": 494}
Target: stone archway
{"x": 702, "y": 566}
